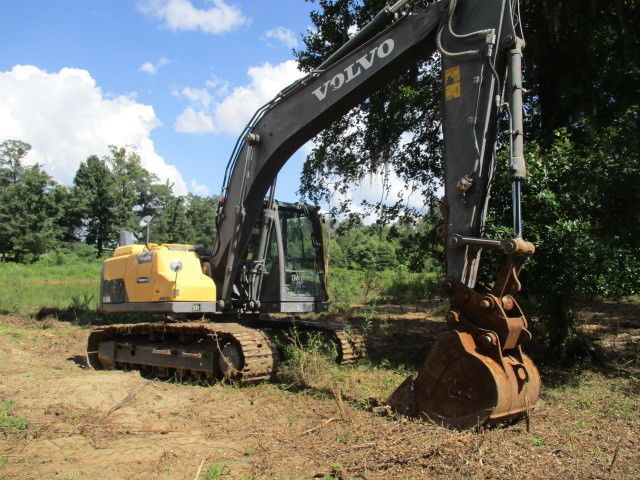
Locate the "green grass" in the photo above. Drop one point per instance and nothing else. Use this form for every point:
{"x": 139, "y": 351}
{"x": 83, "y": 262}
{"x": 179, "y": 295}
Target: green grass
{"x": 594, "y": 398}
{"x": 10, "y": 424}
{"x": 216, "y": 470}
{"x": 67, "y": 282}
{"x": 26, "y": 289}
{"x": 308, "y": 365}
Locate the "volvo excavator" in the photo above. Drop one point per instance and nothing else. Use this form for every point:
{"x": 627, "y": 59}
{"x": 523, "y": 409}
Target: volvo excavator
{"x": 220, "y": 308}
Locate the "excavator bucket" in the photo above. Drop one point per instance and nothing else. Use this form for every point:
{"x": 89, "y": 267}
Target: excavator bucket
{"x": 465, "y": 382}
{"x": 474, "y": 376}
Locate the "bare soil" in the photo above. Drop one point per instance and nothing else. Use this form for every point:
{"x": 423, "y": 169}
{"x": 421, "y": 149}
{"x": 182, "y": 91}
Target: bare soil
{"x": 86, "y": 424}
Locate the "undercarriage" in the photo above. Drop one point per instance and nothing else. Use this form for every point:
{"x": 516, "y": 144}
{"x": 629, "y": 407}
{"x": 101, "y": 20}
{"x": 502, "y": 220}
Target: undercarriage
{"x": 244, "y": 352}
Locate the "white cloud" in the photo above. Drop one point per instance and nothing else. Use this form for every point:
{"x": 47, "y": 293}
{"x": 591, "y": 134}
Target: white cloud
{"x": 383, "y": 186}
{"x": 182, "y": 15}
{"x": 220, "y": 87}
{"x": 198, "y": 189}
{"x": 284, "y": 35}
{"x": 232, "y": 114}
{"x": 200, "y": 96}
{"x": 387, "y": 188}
{"x": 66, "y": 117}
{"x": 191, "y": 121}
{"x": 233, "y": 110}
{"x": 152, "y": 68}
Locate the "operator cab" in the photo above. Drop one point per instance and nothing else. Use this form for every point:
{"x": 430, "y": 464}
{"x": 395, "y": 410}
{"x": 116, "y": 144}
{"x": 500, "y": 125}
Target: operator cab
{"x": 287, "y": 265}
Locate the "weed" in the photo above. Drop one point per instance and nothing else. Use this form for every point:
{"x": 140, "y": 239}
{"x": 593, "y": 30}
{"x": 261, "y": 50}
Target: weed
{"x": 81, "y": 304}
{"x": 3, "y": 462}
{"x": 11, "y": 331}
{"x": 370, "y": 313}
{"x": 336, "y": 472}
{"x": 216, "y": 470}
{"x": 11, "y": 424}
{"x": 537, "y": 442}
{"x": 308, "y": 356}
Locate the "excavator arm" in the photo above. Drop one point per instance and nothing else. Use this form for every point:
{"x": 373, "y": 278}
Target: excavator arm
{"x": 477, "y": 372}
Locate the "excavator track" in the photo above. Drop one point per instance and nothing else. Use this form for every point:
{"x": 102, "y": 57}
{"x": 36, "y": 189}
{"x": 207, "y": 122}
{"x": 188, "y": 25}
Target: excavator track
{"x": 352, "y": 346}
{"x": 215, "y": 351}
{"x": 350, "y": 343}
{"x": 209, "y": 350}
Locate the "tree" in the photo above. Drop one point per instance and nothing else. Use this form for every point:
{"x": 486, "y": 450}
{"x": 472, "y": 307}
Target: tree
{"x": 113, "y": 193}
{"x": 11, "y": 154}
{"x": 581, "y": 212}
{"x": 363, "y": 247}
{"x": 171, "y": 224}
{"x": 582, "y": 67}
{"x": 133, "y": 186}
{"x": 29, "y": 208}
{"x": 94, "y": 185}
{"x": 71, "y": 206}
{"x": 201, "y": 213}
{"x": 395, "y": 131}
{"x": 582, "y": 64}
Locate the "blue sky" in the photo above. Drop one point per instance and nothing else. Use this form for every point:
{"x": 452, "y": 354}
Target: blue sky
{"x": 99, "y": 67}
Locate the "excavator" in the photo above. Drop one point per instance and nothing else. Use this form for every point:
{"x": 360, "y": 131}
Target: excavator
{"x": 219, "y": 308}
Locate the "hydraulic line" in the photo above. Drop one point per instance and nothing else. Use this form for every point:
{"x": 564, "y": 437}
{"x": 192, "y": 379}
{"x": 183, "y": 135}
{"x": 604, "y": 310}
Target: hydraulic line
{"x": 490, "y": 34}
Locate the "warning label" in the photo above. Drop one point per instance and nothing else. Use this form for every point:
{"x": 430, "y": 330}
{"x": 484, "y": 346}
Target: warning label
{"x": 452, "y": 83}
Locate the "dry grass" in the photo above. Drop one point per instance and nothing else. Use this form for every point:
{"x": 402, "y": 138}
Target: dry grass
{"x": 313, "y": 423}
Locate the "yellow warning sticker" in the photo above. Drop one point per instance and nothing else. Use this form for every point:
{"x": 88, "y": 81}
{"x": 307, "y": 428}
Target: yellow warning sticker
{"x": 452, "y": 83}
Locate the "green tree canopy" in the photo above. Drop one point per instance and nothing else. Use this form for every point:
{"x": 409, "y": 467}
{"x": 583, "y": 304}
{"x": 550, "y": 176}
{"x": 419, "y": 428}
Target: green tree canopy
{"x": 11, "y": 154}
{"x": 30, "y": 207}
{"x": 94, "y": 185}
{"x": 113, "y": 193}
{"x": 582, "y": 70}
{"x": 109, "y": 194}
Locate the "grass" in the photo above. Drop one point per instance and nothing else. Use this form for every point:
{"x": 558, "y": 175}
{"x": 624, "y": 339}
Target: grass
{"x": 308, "y": 365}
{"x": 25, "y": 289}
{"x": 11, "y": 424}
{"x": 582, "y": 413}
{"x": 216, "y": 470}
{"x": 593, "y": 399}
{"x": 67, "y": 286}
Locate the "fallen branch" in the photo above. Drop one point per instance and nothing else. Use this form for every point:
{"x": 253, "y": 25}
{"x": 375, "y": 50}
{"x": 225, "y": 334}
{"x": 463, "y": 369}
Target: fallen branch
{"x": 204, "y": 459}
{"x": 322, "y": 424}
{"x": 615, "y": 457}
{"x": 129, "y": 398}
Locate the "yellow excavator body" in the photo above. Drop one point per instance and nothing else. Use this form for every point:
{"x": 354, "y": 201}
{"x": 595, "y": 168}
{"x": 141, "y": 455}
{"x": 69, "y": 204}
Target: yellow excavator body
{"x": 139, "y": 277}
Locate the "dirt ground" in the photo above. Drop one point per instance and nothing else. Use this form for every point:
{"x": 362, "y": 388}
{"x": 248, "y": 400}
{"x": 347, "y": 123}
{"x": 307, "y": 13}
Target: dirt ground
{"x": 86, "y": 424}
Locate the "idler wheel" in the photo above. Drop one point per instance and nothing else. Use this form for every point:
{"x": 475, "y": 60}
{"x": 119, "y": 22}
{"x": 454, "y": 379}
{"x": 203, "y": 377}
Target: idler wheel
{"x": 230, "y": 360}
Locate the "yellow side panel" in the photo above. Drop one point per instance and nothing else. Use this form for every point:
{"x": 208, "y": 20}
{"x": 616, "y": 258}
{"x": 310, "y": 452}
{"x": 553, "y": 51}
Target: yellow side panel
{"x": 114, "y": 267}
{"x": 148, "y": 277}
{"x": 128, "y": 249}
